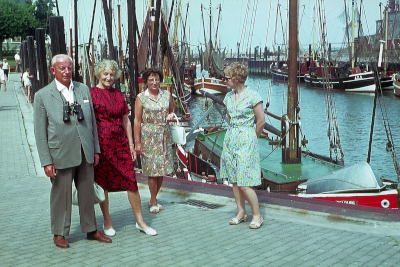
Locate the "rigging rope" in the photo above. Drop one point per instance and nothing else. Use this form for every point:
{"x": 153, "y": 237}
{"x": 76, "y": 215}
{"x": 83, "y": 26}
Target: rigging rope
{"x": 332, "y": 122}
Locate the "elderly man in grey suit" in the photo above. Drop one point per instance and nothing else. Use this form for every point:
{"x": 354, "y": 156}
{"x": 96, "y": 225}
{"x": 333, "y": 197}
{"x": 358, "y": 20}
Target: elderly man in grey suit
{"x": 68, "y": 146}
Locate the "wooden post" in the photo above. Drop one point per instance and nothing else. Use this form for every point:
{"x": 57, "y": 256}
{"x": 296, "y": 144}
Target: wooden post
{"x": 154, "y": 54}
{"x": 32, "y": 63}
{"x": 109, "y": 30}
{"x": 41, "y": 54}
{"x": 133, "y": 67}
{"x": 23, "y": 55}
{"x": 56, "y": 30}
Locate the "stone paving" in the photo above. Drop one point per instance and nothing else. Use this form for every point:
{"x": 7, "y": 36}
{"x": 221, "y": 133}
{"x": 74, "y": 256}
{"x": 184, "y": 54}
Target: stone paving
{"x": 187, "y": 235}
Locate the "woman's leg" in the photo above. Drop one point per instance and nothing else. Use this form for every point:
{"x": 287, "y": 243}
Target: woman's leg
{"x": 153, "y": 187}
{"x": 106, "y": 212}
{"x": 239, "y": 198}
{"x": 29, "y": 94}
{"x": 252, "y": 199}
{"x": 159, "y": 183}
{"x": 134, "y": 199}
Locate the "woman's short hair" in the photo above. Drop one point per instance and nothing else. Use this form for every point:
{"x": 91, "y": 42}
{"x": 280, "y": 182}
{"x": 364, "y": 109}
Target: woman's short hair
{"x": 237, "y": 70}
{"x": 150, "y": 71}
{"x": 106, "y": 63}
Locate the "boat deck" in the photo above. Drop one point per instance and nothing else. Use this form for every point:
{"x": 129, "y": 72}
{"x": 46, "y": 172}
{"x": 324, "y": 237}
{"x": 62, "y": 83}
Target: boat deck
{"x": 272, "y": 167}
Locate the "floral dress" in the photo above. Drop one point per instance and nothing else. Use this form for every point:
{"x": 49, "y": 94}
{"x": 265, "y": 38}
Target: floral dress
{"x": 155, "y": 135}
{"x": 240, "y": 159}
{"x": 115, "y": 170}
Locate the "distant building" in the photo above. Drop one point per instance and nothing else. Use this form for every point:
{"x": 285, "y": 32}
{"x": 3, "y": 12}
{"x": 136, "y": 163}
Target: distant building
{"x": 12, "y": 44}
{"x": 393, "y": 28}
{"x": 393, "y": 25}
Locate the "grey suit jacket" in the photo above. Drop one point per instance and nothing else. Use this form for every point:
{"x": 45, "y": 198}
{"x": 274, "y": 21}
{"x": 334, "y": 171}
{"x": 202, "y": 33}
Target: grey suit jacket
{"x": 60, "y": 142}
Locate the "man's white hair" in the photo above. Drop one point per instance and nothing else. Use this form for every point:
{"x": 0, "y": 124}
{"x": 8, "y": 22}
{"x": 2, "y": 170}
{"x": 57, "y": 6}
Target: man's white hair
{"x": 54, "y": 59}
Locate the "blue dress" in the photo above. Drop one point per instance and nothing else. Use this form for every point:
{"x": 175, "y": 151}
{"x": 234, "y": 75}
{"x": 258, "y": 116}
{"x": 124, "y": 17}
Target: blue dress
{"x": 240, "y": 159}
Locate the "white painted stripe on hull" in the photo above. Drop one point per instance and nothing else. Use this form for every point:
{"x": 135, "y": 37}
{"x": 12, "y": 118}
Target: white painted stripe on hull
{"x": 353, "y": 194}
{"x": 365, "y": 89}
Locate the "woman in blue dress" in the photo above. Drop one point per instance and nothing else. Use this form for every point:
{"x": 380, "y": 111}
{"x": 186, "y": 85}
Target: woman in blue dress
{"x": 240, "y": 159}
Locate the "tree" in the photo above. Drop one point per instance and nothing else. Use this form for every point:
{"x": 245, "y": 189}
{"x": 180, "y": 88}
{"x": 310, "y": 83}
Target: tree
{"x": 16, "y": 20}
{"x": 44, "y": 10}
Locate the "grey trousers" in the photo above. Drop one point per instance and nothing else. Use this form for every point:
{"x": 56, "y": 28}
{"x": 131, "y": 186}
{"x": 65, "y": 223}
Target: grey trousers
{"x": 61, "y": 198}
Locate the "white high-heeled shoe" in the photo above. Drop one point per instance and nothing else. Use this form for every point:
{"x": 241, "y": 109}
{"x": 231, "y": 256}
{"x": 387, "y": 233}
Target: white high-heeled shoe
{"x": 109, "y": 232}
{"x": 148, "y": 231}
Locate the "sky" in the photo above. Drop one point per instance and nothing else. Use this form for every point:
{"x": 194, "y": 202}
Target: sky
{"x": 233, "y": 27}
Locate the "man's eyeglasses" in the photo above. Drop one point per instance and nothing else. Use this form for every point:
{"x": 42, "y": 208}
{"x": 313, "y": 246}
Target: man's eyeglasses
{"x": 226, "y": 78}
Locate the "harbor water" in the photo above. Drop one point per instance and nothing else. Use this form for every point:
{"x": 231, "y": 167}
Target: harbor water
{"x": 354, "y": 116}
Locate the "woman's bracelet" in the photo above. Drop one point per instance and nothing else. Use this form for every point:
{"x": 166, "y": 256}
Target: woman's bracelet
{"x": 132, "y": 145}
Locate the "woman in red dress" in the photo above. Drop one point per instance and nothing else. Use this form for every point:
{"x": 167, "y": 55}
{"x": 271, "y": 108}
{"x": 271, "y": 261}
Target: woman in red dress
{"x": 115, "y": 170}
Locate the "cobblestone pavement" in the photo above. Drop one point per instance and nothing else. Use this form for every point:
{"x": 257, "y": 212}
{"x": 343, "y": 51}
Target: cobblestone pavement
{"x": 188, "y": 235}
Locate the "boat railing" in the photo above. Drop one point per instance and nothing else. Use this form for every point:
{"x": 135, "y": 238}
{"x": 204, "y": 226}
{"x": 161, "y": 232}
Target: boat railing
{"x": 213, "y": 141}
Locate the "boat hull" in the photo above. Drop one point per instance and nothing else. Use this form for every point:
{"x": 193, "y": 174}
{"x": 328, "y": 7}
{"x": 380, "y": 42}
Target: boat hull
{"x": 359, "y": 83}
{"x": 210, "y": 85}
{"x": 387, "y": 83}
{"x": 396, "y": 88}
{"x": 385, "y": 199}
{"x": 282, "y": 76}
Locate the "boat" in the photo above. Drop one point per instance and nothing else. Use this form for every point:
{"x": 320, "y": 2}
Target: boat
{"x": 169, "y": 60}
{"x": 360, "y": 82}
{"x": 346, "y": 78}
{"x": 283, "y": 166}
{"x": 396, "y": 88}
{"x": 212, "y": 61}
{"x": 355, "y": 185}
{"x": 387, "y": 76}
{"x": 287, "y": 166}
{"x": 211, "y": 85}
{"x": 281, "y": 75}
{"x": 190, "y": 75}
{"x": 387, "y": 81}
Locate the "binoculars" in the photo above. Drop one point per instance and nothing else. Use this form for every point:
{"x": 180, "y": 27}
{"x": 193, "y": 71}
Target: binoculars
{"x": 75, "y": 108}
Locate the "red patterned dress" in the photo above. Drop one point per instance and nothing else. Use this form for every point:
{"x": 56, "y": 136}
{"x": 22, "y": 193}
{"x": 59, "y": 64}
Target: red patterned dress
{"x": 115, "y": 170}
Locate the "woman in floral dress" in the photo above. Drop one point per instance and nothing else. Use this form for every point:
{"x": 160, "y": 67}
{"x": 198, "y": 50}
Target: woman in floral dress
{"x": 240, "y": 159}
{"x": 115, "y": 170}
{"x": 153, "y": 108}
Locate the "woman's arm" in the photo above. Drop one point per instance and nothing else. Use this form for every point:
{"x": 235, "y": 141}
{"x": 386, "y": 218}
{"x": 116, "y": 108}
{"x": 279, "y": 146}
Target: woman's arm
{"x": 126, "y": 123}
{"x": 229, "y": 117}
{"x": 171, "y": 109}
{"x": 137, "y": 127}
{"x": 259, "y": 112}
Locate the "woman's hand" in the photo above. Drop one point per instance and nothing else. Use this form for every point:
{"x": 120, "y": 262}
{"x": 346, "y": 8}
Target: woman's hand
{"x": 138, "y": 149}
{"x": 133, "y": 153}
{"x": 171, "y": 116}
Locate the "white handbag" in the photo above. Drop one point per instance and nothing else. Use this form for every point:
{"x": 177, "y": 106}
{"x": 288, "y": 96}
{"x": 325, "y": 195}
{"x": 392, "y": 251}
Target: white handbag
{"x": 178, "y": 133}
{"x": 98, "y": 194}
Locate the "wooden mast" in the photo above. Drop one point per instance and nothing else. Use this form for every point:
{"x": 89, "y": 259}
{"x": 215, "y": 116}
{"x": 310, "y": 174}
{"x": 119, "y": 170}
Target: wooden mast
{"x": 91, "y": 44}
{"x": 291, "y": 152}
{"x": 119, "y": 38}
{"x": 70, "y": 29}
{"x": 76, "y": 41}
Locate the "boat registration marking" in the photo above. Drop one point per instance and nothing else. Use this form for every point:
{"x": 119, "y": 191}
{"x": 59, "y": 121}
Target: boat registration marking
{"x": 351, "y": 202}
